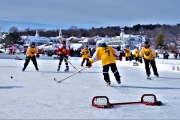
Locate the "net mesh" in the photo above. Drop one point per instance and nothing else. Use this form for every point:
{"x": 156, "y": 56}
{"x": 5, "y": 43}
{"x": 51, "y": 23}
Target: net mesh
{"x": 148, "y": 99}
{"x": 101, "y": 101}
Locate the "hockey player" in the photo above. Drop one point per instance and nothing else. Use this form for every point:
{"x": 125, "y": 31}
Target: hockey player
{"x": 127, "y": 52}
{"x": 106, "y": 54}
{"x": 148, "y": 54}
{"x": 31, "y": 54}
{"x": 85, "y": 55}
{"x": 136, "y": 54}
{"x": 63, "y": 53}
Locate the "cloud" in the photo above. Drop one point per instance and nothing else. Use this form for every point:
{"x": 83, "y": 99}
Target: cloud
{"x": 90, "y": 13}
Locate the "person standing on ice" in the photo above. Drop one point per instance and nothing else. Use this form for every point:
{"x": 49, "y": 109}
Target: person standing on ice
{"x": 148, "y": 53}
{"x": 63, "y": 53}
{"x": 85, "y": 55}
{"x": 136, "y": 54}
{"x": 127, "y": 52}
{"x": 31, "y": 54}
{"x": 106, "y": 54}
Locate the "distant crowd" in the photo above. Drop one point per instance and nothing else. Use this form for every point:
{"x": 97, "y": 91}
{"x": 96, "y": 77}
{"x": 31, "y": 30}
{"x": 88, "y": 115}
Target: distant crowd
{"x": 76, "y": 52}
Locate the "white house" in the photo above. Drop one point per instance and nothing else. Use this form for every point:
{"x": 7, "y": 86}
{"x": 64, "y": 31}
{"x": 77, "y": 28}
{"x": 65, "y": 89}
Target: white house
{"x": 37, "y": 39}
{"x": 126, "y": 40}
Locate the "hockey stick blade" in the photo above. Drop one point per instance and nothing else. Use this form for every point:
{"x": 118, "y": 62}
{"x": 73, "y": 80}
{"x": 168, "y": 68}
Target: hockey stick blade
{"x": 58, "y": 81}
{"x": 17, "y": 58}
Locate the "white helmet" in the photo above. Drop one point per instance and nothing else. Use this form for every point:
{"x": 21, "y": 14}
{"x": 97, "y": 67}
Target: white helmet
{"x": 98, "y": 43}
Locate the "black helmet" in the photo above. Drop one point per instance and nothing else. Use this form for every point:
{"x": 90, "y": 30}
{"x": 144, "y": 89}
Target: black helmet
{"x": 64, "y": 42}
{"x": 33, "y": 43}
{"x": 146, "y": 42}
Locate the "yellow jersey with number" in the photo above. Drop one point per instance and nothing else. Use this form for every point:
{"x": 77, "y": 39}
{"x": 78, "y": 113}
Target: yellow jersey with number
{"x": 106, "y": 54}
{"x": 148, "y": 53}
{"x": 85, "y": 53}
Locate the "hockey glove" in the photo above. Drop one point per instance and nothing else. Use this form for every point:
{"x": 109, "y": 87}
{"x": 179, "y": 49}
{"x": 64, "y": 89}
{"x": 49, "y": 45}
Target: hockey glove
{"x": 140, "y": 60}
{"x": 37, "y": 55}
{"x": 89, "y": 64}
{"x": 152, "y": 61}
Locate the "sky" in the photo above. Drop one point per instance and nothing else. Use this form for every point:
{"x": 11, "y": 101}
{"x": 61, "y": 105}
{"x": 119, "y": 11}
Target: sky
{"x": 35, "y": 95}
{"x": 56, "y": 14}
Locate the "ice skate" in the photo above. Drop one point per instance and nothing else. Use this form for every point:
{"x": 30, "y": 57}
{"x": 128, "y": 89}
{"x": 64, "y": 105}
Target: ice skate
{"x": 109, "y": 84}
{"x": 23, "y": 69}
{"x": 37, "y": 68}
{"x": 58, "y": 68}
{"x": 157, "y": 75}
{"x": 67, "y": 69}
{"x": 148, "y": 77}
{"x": 119, "y": 82}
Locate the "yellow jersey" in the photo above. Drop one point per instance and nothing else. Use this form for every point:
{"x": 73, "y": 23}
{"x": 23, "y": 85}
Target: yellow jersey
{"x": 127, "y": 52}
{"x": 136, "y": 53}
{"x": 148, "y": 53}
{"x": 85, "y": 53}
{"x": 31, "y": 51}
{"x": 106, "y": 54}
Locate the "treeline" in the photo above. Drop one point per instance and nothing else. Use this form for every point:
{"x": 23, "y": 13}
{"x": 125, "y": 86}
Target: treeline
{"x": 151, "y": 30}
{"x": 170, "y": 32}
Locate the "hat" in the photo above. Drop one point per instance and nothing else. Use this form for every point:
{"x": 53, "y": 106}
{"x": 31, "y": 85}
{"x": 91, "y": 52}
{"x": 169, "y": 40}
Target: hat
{"x": 146, "y": 42}
{"x": 32, "y": 43}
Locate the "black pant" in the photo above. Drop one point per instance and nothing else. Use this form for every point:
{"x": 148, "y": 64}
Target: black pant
{"x": 33, "y": 59}
{"x": 65, "y": 60}
{"x": 113, "y": 69}
{"x": 128, "y": 58}
{"x": 87, "y": 59}
{"x": 153, "y": 65}
{"x": 136, "y": 59}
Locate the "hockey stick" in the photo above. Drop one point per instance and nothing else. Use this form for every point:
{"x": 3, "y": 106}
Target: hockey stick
{"x": 70, "y": 63}
{"x": 58, "y": 81}
{"x": 17, "y": 58}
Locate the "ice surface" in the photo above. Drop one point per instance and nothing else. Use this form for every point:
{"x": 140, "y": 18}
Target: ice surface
{"x": 35, "y": 95}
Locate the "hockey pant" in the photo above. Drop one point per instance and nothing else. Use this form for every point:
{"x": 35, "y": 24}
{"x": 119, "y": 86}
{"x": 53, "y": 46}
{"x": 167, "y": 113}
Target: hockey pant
{"x": 136, "y": 59}
{"x": 113, "y": 69}
{"x": 128, "y": 58}
{"x": 65, "y": 60}
{"x": 153, "y": 65}
{"x": 33, "y": 59}
{"x": 87, "y": 59}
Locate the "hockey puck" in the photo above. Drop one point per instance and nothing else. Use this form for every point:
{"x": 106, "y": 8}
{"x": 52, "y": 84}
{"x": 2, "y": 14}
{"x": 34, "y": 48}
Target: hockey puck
{"x": 11, "y": 77}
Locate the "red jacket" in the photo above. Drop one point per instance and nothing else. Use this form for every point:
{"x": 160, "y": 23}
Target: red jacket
{"x": 64, "y": 50}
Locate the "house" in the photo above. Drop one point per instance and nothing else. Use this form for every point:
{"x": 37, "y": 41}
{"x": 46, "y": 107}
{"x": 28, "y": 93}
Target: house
{"x": 126, "y": 40}
{"x": 36, "y": 39}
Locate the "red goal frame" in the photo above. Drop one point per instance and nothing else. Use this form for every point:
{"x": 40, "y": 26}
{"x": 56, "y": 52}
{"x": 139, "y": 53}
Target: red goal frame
{"x": 103, "y": 101}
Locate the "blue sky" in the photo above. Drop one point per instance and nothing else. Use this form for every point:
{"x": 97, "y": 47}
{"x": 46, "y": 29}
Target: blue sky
{"x": 55, "y": 14}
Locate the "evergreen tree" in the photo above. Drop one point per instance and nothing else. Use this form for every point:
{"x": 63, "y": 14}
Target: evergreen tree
{"x": 160, "y": 40}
